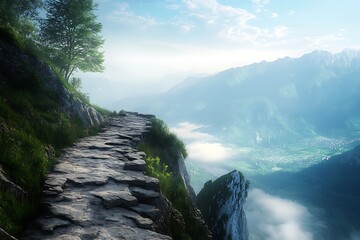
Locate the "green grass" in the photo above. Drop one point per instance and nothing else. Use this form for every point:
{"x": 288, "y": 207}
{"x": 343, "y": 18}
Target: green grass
{"x": 162, "y": 143}
{"x": 28, "y": 126}
{"x": 20, "y": 211}
{"x": 163, "y": 150}
{"x": 103, "y": 111}
{"x": 33, "y": 131}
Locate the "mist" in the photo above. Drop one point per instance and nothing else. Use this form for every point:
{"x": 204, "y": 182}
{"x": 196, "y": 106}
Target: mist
{"x": 273, "y": 218}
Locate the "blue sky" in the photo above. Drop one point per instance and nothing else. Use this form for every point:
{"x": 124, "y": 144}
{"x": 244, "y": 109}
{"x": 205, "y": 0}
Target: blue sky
{"x": 146, "y": 40}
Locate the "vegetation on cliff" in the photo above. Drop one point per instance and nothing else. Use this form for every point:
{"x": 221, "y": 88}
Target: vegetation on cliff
{"x": 163, "y": 150}
{"x": 34, "y": 125}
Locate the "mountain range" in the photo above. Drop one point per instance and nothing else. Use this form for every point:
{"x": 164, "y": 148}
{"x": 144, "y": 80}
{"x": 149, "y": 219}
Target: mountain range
{"x": 268, "y": 102}
{"x": 292, "y": 106}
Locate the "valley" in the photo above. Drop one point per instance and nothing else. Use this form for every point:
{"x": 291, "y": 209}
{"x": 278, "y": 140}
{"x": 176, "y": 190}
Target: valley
{"x": 273, "y": 121}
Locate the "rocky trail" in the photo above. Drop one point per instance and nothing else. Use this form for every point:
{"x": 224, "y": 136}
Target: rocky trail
{"x": 97, "y": 189}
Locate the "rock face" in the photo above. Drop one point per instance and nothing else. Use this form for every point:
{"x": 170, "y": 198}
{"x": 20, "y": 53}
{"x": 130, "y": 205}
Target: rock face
{"x": 222, "y": 204}
{"x": 90, "y": 194}
{"x": 186, "y": 178}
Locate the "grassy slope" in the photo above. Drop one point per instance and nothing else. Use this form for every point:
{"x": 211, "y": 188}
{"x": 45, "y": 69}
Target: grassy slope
{"x": 162, "y": 149}
{"x": 32, "y": 132}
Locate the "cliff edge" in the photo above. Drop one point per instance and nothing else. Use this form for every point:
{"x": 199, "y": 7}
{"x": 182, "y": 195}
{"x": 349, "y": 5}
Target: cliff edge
{"x": 222, "y": 204}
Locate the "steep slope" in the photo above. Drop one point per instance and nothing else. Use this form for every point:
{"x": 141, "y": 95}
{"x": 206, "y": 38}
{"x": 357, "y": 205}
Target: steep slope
{"x": 165, "y": 161}
{"x": 271, "y": 102}
{"x": 38, "y": 117}
{"x": 222, "y": 204}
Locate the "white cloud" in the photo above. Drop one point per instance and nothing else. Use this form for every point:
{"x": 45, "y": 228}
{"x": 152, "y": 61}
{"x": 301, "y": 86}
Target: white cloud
{"x": 322, "y": 41}
{"x": 190, "y": 4}
{"x": 274, "y": 218}
{"x": 209, "y": 152}
{"x": 213, "y": 12}
{"x": 292, "y": 13}
{"x": 190, "y": 131}
{"x": 124, "y": 16}
{"x": 187, "y": 27}
{"x": 280, "y": 31}
{"x": 228, "y": 22}
{"x": 172, "y": 4}
{"x": 260, "y": 4}
{"x": 202, "y": 146}
{"x": 233, "y": 23}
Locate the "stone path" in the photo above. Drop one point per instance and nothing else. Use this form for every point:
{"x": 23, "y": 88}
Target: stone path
{"x": 97, "y": 189}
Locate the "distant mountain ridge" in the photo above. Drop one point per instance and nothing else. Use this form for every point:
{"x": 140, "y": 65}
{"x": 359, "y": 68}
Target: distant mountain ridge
{"x": 272, "y": 101}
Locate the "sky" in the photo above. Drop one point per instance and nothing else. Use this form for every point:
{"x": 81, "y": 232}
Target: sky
{"x": 150, "y": 45}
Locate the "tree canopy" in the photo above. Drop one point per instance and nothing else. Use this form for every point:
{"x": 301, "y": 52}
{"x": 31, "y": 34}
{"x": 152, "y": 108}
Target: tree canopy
{"x": 72, "y": 36}
{"x": 19, "y": 14}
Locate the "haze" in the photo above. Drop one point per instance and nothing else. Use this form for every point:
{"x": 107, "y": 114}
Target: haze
{"x": 264, "y": 119}
{"x": 151, "y": 45}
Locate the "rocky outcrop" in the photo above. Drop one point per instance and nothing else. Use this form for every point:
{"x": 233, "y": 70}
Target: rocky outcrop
{"x": 222, "y": 204}
{"x": 90, "y": 195}
{"x": 25, "y": 70}
{"x": 74, "y": 107}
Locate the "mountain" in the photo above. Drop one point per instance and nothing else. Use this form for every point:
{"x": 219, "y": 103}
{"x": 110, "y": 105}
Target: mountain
{"x": 222, "y": 204}
{"x": 269, "y": 102}
{"x": 330, "y": 189}
{"x": 283, "y": 115}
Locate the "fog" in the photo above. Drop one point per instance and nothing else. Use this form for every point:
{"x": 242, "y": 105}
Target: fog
{"x": 202, "y": 146}
{"x": 273, "y": 218}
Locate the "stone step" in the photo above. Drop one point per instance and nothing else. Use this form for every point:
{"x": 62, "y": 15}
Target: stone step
{"x": 113, "y": 199}
{"x": 136, "y": 165}
{"x": 144, "y": 195}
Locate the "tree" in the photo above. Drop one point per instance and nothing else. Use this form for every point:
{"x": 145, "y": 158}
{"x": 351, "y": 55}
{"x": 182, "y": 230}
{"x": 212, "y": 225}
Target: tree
{"x": 19, "y": 14}
{"x": 72, "y": 36}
